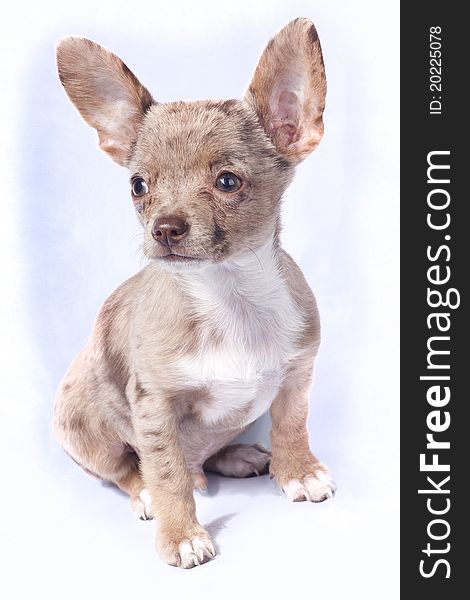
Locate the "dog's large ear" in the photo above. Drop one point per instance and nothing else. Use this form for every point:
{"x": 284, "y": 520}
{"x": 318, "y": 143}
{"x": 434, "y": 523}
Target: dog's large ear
{"x": 288, "y": 90}
{"x": 106, "y": 93}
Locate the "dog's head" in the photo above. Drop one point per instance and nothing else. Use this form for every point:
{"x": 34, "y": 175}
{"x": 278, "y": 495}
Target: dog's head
{"x": 206, "y": 177}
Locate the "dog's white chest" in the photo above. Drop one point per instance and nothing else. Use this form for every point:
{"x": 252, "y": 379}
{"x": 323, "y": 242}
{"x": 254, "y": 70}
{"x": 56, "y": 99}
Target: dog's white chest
{"x": 247, "y": 339}
{"x": 240, "y": 385}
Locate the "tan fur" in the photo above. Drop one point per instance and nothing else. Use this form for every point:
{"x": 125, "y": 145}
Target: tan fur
{"x": 188, "y": 352}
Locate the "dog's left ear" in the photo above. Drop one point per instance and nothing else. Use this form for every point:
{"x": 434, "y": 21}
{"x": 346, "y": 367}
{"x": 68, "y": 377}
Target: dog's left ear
{"x": 288, "y": 90}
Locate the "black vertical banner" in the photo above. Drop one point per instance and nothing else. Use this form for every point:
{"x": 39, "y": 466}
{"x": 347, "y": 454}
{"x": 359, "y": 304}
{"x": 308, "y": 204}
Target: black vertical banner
{"x": 435, "y": 257}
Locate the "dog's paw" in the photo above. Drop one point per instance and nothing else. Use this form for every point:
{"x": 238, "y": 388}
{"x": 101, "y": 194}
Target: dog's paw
{"x": 187, "y": 553}
{"x": 141, "y": 506}
{"x": 199, "y": 481}
{"x": 316, "y": 487}
{"x": 240, "y": 460}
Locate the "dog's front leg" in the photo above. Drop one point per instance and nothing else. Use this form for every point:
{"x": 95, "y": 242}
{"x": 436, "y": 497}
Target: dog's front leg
{"x": 298, "y": 472}
{"x": 181, "y": 541}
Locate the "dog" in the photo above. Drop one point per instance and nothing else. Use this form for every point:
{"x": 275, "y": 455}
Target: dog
{"x": 221, "y": 325}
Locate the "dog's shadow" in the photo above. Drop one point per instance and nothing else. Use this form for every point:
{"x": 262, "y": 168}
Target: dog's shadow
{"x": 217, "y": 525}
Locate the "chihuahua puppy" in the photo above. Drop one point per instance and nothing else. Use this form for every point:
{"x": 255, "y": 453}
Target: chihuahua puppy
{"x": 221, "y": 326}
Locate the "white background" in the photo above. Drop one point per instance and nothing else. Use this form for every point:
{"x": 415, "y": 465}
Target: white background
{"x": 68, "y": 237}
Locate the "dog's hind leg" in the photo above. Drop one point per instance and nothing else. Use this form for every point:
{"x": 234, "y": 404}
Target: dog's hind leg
{"x": 114, "y": 462}
{"x": 240, "y": 460}
{"x": 92, "y": 443}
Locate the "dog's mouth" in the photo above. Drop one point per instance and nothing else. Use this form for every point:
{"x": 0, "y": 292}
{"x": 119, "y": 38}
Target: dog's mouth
{"x": 172, "y": 257}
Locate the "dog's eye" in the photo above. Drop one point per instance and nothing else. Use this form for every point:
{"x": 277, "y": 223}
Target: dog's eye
{"x": 228, "y": 182}
{"x": 139, "y": 187}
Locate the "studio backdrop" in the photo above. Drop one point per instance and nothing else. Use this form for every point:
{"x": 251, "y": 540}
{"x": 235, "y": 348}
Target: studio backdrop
{"x": 69, "y": 236}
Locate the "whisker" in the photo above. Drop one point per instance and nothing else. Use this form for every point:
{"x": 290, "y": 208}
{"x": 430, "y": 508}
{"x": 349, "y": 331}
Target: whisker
{"x": 137, "y": 235}
{"x": 257, "y": 258}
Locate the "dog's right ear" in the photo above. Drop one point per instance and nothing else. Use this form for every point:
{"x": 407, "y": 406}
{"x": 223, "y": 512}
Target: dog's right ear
{"x": 106, "y": 93}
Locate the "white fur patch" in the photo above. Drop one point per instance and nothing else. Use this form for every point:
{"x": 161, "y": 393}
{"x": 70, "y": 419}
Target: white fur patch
{"x": 246, "y": 304}
{"x": 146, "y": 499}
{"x": 195, "y": 552}
{"x": 314, "y": 488}
{"x": 142, "y": 505}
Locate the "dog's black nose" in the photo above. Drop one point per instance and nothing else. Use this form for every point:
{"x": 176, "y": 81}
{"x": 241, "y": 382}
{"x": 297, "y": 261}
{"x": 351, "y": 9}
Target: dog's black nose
{"x": 170, "y": 231}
